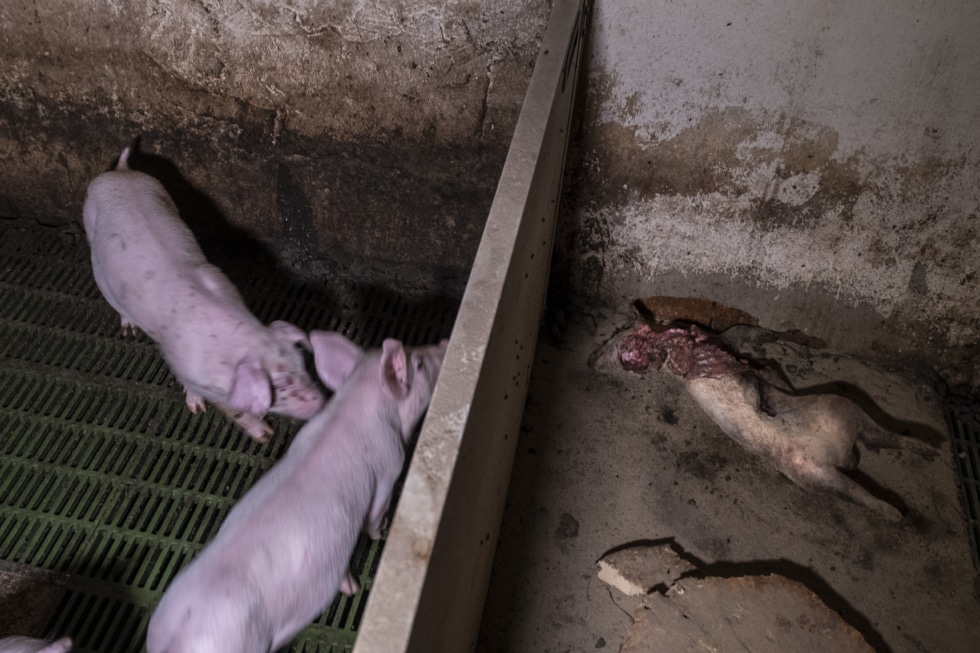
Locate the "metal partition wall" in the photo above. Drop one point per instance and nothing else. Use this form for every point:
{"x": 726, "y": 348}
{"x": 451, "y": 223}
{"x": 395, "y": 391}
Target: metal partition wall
{"x": 430, "y": 587}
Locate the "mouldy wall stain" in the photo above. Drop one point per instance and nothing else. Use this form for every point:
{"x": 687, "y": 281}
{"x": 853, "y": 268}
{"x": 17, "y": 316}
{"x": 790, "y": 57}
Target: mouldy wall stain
{"x": 792, "y": 217}
{"x": 727, "y": 207}
{"x": 337, "y": 129}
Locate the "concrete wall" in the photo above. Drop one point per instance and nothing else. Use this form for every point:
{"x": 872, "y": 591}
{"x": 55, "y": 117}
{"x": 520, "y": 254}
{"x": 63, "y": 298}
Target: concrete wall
{"x": 333, "y": 129}
{"x": 813, "y": 163}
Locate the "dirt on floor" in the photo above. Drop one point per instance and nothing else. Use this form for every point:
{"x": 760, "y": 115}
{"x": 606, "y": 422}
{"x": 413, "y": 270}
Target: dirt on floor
{"x": 609, "y": 459}
{"x": 28, "y": 598}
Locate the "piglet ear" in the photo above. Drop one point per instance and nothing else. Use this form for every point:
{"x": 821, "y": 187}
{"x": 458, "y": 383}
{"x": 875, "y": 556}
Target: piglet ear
{"x": 291, "y": 333}
{"x": 250, "y": 388}
{"x": 334, "y": 357}
{"x": 394, "y": 369}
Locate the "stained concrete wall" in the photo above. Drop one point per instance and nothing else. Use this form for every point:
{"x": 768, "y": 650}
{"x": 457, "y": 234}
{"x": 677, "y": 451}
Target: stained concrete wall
{"x": 344, "y": 130}
{"x": 816, "y": 164}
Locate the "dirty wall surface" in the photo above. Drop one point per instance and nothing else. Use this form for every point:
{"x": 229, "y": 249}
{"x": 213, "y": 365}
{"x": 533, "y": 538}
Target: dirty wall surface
{"x": 814, "y": 164}
{"x": 340, "y": 129}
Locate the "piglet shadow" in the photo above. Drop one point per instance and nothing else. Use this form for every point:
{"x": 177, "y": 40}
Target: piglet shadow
{"x": 216, "y": 235}
{"x": 254, "y": 268}
{"x": 783, "y": 567}
{"x": 378, "y": 312}
{"x": 876, "y": 489}
{"x": 809, "y": 579}
{"x": 666, "y": 542}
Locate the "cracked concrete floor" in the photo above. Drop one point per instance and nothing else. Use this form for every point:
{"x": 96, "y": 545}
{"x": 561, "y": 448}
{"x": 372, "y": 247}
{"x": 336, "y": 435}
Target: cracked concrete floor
{"x": 608, "y": 458}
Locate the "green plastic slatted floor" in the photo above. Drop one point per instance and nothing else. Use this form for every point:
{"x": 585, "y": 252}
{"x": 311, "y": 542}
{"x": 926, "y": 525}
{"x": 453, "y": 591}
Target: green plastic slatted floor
{"x": 104, "y": 473}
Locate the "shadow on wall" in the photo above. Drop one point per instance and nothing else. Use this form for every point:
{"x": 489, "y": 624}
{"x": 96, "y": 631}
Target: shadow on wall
{"x": 786, "y": 568}
{"x": 250, "y": 264}
{"x": 258, "y": 273}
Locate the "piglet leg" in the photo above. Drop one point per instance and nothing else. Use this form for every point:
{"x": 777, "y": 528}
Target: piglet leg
{"x": 256, "y": 427}
{"x": 377, "y": 518}
{"x": 875, "y": 437}
{"x": 129, "y": 327}
{"x": 195, "y": 402}
{"x": 348, "y": 585}
{"x": 376, "y": 526}
{"x": 833, "y": 480}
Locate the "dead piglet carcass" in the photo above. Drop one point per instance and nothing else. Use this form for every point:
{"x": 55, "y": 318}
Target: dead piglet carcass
{"x": 283, "y": 552}
{"x": 152, "y": 271}
{"x": 809, "y": 438}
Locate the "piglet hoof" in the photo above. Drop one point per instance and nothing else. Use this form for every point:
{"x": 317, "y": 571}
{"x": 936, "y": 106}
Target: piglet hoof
{"x": 348, "y": 585}
{"x": 262, "y": 437}
{"x": 195, "y": 402}
{"x": 256, "y": 427}
{"x": 890, "y": 512}
{"x": 882, "y": 508}
{"x": 375, "y": 531}
{"x": 128, "y": 328}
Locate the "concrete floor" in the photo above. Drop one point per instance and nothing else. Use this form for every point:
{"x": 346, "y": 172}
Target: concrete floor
{"x": 608, "y": 458}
